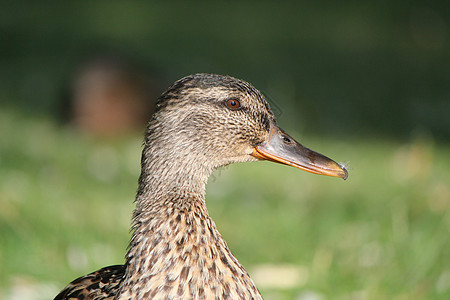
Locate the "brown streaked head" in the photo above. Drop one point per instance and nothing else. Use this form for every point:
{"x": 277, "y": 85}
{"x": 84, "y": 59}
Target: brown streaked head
{"x": 214, "y": 120}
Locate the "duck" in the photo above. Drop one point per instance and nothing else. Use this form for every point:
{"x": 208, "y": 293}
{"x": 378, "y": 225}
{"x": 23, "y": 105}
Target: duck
{"x": 201, "y": 123}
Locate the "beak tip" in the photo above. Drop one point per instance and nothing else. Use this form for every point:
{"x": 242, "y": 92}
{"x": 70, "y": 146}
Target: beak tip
{"x": 345, "y": 175}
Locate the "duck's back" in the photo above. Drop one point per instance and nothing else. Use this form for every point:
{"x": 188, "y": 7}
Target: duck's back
{"x": 102, "y": 284}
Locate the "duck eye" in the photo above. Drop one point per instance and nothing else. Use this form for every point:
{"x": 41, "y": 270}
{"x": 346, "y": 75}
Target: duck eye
{"x": 233, "y": 104}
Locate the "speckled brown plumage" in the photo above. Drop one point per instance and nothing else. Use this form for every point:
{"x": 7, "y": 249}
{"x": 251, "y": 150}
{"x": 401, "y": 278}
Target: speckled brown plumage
{"x": 176, "y": 251}
{"x": 102, "y": 284}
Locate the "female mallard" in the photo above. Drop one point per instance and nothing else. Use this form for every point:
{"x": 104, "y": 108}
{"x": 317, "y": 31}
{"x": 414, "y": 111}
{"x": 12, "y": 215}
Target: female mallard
{"x": 201, "y": 123}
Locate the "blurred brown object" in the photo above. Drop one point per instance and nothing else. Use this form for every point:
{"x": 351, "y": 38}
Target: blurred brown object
{"x": 111, "y": 97}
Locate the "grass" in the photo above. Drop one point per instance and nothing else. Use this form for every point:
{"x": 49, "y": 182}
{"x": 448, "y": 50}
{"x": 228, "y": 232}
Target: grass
{"x": 66, "y": 203}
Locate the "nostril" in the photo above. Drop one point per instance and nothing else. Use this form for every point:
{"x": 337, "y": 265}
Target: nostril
{"x": 286, "y": 140}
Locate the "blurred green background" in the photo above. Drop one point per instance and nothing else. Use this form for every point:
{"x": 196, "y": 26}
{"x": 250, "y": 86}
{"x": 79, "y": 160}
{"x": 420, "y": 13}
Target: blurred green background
{"x": 366, "y": 83}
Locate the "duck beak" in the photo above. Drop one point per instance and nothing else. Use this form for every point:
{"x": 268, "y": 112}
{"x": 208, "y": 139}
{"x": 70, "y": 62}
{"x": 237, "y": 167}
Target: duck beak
{"x": 281, "y": 148}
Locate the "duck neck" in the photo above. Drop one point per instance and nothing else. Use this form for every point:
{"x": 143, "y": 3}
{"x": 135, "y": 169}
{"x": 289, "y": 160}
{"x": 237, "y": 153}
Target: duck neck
{"x": 176, "y": 249}
{"x": 177, "y": 181}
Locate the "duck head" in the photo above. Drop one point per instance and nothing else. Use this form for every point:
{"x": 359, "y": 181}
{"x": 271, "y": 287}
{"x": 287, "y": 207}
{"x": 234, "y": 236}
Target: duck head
{"x": 205, "y": 121}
